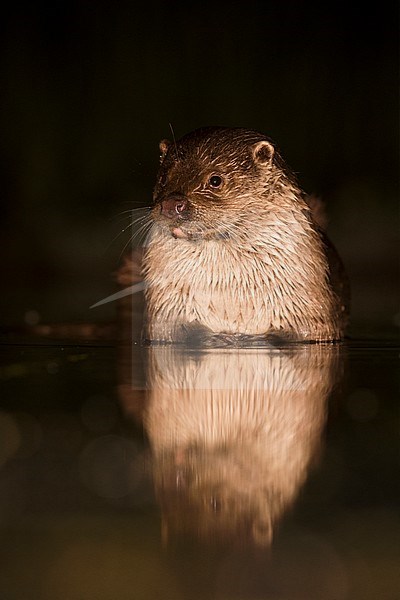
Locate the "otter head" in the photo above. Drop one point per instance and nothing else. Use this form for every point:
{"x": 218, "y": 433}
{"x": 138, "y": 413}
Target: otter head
{"x": 212, "y": 180}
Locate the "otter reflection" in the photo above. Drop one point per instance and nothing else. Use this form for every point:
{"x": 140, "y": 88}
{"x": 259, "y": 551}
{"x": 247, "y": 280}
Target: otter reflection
{"x": 234, "y": 434}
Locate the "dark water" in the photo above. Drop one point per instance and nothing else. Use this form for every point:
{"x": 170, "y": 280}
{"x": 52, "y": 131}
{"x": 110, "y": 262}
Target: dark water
{"x": 227, "y": 474}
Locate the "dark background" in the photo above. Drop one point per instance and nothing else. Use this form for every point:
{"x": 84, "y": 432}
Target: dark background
{"x": 89, "y": 88}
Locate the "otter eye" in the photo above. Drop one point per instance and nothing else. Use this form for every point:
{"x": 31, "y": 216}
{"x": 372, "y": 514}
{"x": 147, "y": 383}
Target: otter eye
{"x": 215, "y": 181}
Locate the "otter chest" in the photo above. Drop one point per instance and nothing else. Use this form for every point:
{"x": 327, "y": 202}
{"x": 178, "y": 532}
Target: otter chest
{"x": 222, "y": 289}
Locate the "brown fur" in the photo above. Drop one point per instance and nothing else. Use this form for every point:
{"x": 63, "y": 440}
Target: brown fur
{"x": 245, "y": 259}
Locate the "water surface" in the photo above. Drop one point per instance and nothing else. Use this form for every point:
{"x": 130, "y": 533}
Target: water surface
{"x": 245, "y": 474}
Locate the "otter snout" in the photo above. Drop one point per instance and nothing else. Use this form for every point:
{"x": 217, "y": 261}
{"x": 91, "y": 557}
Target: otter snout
{"x": 174, "y": 206}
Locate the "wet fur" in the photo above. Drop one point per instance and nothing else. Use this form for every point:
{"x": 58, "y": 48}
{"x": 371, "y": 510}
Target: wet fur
{"x": 253, "y": 260}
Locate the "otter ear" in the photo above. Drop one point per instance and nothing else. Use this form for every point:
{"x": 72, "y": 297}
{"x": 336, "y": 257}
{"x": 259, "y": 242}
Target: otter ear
{"x": 263, "y": 152}
{"x": 163, "y": 145}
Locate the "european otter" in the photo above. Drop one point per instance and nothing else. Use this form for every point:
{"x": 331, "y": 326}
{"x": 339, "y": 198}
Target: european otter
{"x": 234, "y": 252}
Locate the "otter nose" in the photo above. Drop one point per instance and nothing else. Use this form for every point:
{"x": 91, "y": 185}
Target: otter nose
{"x": 173, "y": 206}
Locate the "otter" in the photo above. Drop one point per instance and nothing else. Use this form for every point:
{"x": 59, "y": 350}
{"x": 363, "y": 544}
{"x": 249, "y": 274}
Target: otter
{"x": 235, "y": 252}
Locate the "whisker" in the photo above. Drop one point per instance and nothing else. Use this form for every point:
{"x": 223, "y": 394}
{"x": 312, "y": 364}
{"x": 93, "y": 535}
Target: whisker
{"x": 174, "y": 139}
{"x": 132, "y": 222}
{"x": 136, "y": 234}
{"x": 140, "y": 233}
{"x": 142, "y": 220}
{"x": 144, "y": 209}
